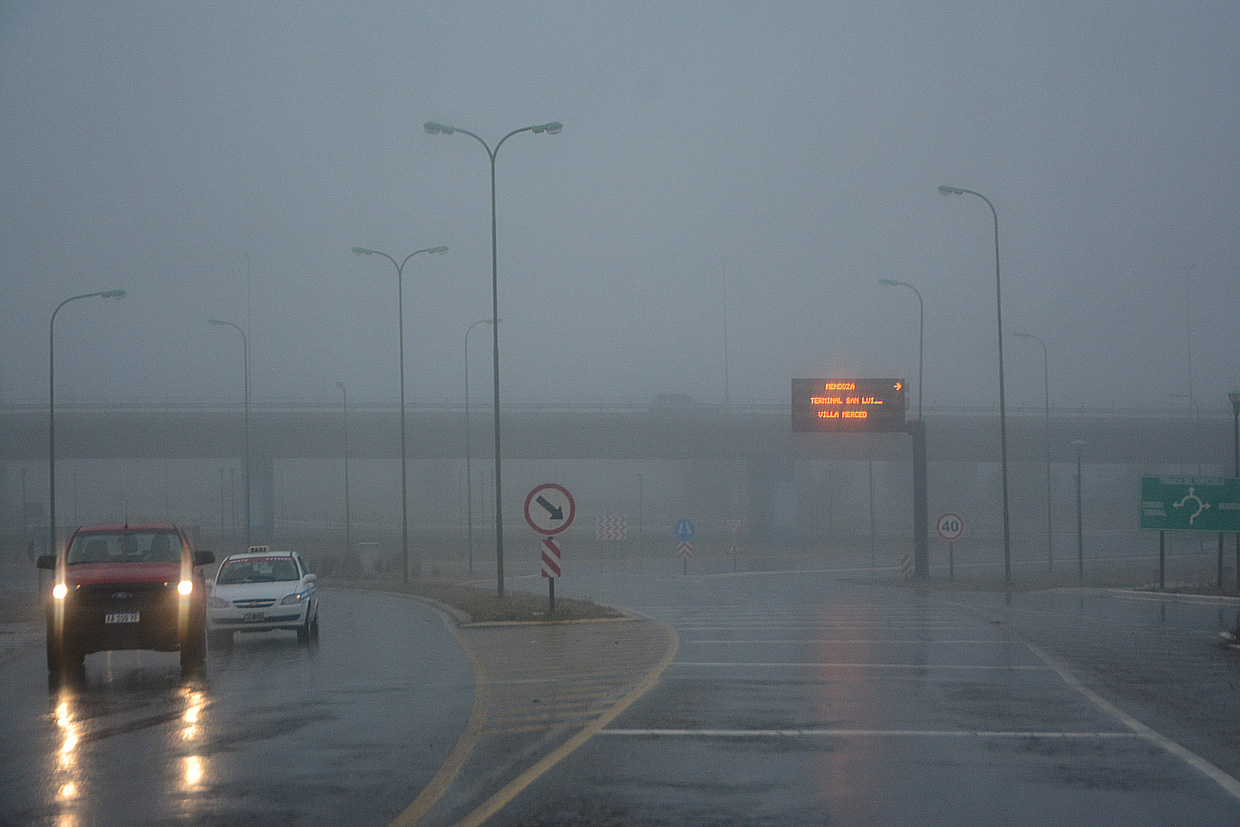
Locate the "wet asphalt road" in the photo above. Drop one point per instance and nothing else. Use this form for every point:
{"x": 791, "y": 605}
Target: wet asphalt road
{"x": 346, "y": 732}
{"x": 803, "y": 698}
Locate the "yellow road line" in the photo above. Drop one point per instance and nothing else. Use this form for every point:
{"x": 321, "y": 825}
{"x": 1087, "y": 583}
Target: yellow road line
{"x": 460, "y": 752}
{"x": 510, "y": 791}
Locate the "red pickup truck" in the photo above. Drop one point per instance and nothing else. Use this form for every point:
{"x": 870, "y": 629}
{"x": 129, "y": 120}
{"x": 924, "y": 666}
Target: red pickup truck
{"x": 131, "y": 586}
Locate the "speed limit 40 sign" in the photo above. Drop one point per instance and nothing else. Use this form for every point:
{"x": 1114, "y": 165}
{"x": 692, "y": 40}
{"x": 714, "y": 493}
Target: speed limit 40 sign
{"x": 950, "y": 527}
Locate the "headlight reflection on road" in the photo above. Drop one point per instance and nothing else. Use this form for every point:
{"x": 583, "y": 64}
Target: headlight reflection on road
{"x": 195, "y": 702}
{"x": 65, "y": 771}
{"x": 195, "y": 770}
{"x": 71, "y": 733}
{"x": 194, "y": 767}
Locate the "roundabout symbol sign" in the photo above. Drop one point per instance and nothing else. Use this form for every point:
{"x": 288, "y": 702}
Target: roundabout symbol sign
{"x": 549, "y": 509}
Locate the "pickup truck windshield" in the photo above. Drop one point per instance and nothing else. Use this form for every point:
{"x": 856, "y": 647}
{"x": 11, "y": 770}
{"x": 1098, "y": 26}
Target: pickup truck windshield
{"x": 125, "y": 547}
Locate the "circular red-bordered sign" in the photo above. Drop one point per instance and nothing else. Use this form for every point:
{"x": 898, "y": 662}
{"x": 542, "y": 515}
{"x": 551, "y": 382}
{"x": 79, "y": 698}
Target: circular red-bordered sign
{"x": 549, "y": 509}
{"x": 950, "y": 527}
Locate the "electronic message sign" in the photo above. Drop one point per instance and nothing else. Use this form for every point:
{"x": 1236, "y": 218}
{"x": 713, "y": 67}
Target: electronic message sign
{"x": 842, "y": 405}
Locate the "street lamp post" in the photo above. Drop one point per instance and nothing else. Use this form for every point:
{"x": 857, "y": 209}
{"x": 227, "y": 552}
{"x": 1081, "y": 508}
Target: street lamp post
{"x": 552, "y": 128}
{"x": 348, "y": 522}
{"x": 1234, "y": 398}
{"x": 921, "y": 332}
{"x": 469, "y": 490}
{"x": 1046, "y": 390}
{"x": 1078, "y": 444}
{"x": 245, "y": 352}
{"x": 51, "y": 413}
{"x": 1007, "y": 523}
{"x": 400, "y": 316}
{"x": 1192, "y": 403}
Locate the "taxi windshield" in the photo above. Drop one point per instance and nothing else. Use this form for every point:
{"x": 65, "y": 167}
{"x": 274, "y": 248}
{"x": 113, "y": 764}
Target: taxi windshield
{"x": 125, "y": 547}
{"x": 258, "y": 570}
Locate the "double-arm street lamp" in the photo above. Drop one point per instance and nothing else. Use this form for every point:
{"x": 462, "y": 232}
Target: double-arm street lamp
{"x": 552, "y": 128}
{"x": 400, "y": 316}
{"x": 469, "y": 491}
{"x": 51, "y": 414}
{"x": 1046, "y": 389}
{"x": 245, "y": 353}
{"x": 921, "y": 332}
{"x": 1007, "y": 523}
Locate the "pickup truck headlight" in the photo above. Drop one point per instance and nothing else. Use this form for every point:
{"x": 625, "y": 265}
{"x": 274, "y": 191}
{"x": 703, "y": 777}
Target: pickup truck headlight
{"x": 59, "y": 591}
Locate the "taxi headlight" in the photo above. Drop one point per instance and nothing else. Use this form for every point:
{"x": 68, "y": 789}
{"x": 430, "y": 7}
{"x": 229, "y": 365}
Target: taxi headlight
{"x": 59, "y": 591}
{"x": 294, "y": 599}
{"x": 185, "y": 586}
{"x": 217, "y": 603}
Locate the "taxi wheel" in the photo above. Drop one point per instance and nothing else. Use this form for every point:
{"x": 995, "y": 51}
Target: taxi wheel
{"x": 314, "y": 627}
{"x": 303, "y": 631}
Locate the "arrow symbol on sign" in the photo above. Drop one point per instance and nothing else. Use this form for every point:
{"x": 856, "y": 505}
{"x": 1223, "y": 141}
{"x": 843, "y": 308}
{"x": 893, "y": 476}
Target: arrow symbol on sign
{"x": 555, "y": 511}
{"x": 899, "y": 385}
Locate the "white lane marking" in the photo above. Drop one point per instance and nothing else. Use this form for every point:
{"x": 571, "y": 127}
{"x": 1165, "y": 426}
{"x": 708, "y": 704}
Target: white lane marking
{"x": 860, "y": 733}
{"x": 806, "y": 665}
{"x": 1190, "y": 599}
{"x": 844, "y": 641}
{"x": 1229, "y": 784}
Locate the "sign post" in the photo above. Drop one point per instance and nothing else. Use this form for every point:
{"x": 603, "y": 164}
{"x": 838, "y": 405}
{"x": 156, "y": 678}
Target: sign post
{"x": 550, "y": 509}
{"x": 735, "y": 526}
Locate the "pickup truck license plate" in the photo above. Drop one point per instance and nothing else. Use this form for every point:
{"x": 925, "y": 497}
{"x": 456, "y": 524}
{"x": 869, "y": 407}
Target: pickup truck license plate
{"x": 251, "y": 617}
{"x": 121, "y": 617}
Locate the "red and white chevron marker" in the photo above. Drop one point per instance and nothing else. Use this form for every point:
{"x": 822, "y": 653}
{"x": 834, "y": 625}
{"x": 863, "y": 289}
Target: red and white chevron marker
{"x": 550, "y": 558}
{"x": 611, "y": 528}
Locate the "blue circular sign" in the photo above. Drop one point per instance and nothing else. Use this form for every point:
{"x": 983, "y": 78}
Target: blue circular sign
{"x": 684, "y": 531}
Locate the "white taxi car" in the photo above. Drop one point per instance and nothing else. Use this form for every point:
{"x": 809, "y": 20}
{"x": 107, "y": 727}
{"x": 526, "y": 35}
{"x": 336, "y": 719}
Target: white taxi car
{"x": 260, "y": 591}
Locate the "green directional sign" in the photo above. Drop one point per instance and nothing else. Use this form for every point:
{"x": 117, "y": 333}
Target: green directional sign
{"x": 1190, "y": 504}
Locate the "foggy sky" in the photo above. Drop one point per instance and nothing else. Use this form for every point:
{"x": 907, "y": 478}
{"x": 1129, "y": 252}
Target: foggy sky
{"x": 220, "y": 160}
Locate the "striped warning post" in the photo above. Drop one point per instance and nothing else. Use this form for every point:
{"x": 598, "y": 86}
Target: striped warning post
{"x": 906, "y": 567}
{"x": 550, "y": 558}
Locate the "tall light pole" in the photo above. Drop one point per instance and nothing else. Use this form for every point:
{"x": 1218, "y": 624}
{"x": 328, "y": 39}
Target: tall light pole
{"x": 1078, "y": 444}
{"x": 469, "y": 490}
{"x": 552, "y": 128}
{"x": 1007, "y": 522}
{"x": 921, "y": 331}
{"x": 348, "y": 522}
{"x": 51, "y": 413}
{"x": 400, "y": 317}
{"x": 1192, "y": 403}
{"x": 1046, "y": 390}
{"x": 245, "y": 352}
{"x": 1234, "y": 398}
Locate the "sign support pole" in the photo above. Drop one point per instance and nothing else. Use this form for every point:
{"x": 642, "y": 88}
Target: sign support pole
{"x": 921, "y": 540}
{"x": 1162, "y": 560}
{"x": 951, "y": 560}
{"x": 551, "y": 594}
